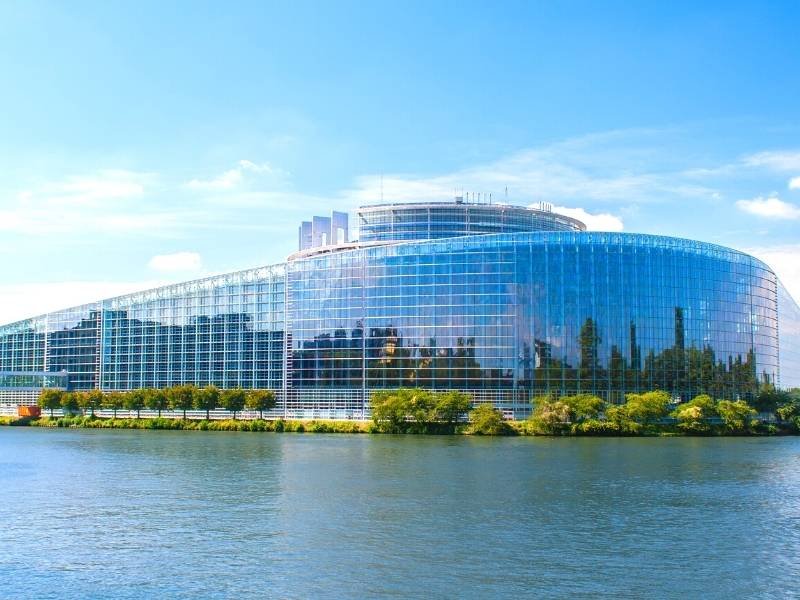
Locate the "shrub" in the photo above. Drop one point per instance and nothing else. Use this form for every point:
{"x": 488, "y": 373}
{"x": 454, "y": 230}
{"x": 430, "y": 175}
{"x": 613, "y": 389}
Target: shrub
{"x": 737, "y": 417}
{"x": 595, "y": 427}
{"x": 487, "y": 420}
{"x": 258, "y": 425}
{"x": 647, "y": 407}
{"x": 693, "y": 416}
{"x": 583, "y": 406}
{"x": 550, "y": 417}
{"x": 413, "y": 410}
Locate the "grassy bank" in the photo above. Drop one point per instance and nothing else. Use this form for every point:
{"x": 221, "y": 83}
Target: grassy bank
{"x": 508, "y": 428}
{"x": 278, "y": 425}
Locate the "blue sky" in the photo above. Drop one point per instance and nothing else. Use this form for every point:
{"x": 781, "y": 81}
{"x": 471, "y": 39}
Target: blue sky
{"x": 150, "y": 142}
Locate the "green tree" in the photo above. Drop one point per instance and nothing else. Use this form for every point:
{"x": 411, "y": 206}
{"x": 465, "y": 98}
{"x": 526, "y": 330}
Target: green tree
{"x": 181, "y": 397}
{"x": 233, "y": 400}
{"x": 737, "y": 416}
{"x": 485, "y": 419}
{"x": 693, "y": 415}
{"x": 416, "y": 410}
{"x": 550, "y": 416}
{"x": 789, "y": 410}
{"x": 422, "y": 409}
{"x": 390, "y": 409}
{"x": 207, "y": 399}
{"x": 134, "y": 400}
{"x": 91, "y": 400}
{"x": 451, "y": 406}
{"x": 647, "y": 407}
{"x": 69, "y": 402}
{"x": 156, "y": 399}
{"x": 50, "y": 399}
{"x": 260, "y": 400}
{"x": 617, "y": 416}
{"x": 769, "y": 399}
{"x": 82, "y": 400}
{"x": 114, "y": 401}
{"x": 583, "y": 406}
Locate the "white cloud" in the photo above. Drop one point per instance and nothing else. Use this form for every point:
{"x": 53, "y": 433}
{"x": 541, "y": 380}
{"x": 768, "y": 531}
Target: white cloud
{"x": 108, "y": 185}
{"x": 794, "y": 183}
{"x": 105, "y": 201}
{"x": 178, "y": 262}
{"x": 771, "y": 207}
{"x": 25, "y": 300}
{"x": 788, "y": 160}
{"x": 82, "y": 190}
{"x": 618, "y": 167}
{"x": 233, "y": 178}
{"x": 593, "y": 222}
{"x": 785, "y": 261}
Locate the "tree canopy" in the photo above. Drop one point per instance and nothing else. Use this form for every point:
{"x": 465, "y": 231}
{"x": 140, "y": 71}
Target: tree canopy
{"x": 233, "y": 400}
{"x": 260, "y": 400}
{"x": 50, "y": 399}
{"x": 206, "y": 399}
{"x": 418, "y": 410}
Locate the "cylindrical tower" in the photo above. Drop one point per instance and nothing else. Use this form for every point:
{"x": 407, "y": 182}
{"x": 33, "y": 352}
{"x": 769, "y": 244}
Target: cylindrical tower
{"x": 432, "y": 220}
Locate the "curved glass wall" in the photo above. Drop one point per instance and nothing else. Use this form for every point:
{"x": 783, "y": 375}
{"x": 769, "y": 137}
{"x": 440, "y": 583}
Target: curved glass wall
{"x": 789, "y": 339}
{"x": 515, "y": 314}
{"x": 503, "y": 316}
{"x": 394, "y": 222}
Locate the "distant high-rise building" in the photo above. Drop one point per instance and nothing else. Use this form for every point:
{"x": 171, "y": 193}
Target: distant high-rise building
{"x": 324, "y": 231}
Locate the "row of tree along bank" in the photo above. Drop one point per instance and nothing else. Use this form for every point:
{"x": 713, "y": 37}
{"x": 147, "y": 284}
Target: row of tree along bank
{"x": 177, "y": 398}
{"x": 411, "y": 410}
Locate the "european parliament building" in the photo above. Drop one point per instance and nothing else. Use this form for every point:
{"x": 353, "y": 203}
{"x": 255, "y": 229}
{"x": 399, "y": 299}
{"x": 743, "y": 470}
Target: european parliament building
{"x": 504, "y": 302}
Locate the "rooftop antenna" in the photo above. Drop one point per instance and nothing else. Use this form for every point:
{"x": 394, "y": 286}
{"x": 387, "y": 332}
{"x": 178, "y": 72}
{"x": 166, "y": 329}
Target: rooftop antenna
{"x": 381, "y": 188}
{"x": 506, "y": 192}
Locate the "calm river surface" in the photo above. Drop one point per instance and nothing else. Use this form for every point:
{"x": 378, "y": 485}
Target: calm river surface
{"x": 138, "y": 514}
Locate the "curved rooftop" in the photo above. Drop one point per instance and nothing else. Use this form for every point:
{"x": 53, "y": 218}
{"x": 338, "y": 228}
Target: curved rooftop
{"x": 433, "y": 220}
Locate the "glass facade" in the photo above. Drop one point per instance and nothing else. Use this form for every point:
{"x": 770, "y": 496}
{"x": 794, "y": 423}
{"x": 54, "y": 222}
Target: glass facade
{"x": 503, "y": 316}
{"x": 789, "y": 339}
{"x": 31, "y": 380}
{"x": 509, "y": 315}
{"x": 226, "y": 330}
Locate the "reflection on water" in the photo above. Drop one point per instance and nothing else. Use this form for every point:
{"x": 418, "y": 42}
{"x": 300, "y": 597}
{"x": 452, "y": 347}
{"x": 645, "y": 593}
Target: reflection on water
{"x": 189, "y": 514}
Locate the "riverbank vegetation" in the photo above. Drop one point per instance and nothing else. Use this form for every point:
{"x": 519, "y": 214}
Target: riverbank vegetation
{"x": 417, "y": 411}
{"x": 649, "y": 413}
{"x": 276, "y": 425}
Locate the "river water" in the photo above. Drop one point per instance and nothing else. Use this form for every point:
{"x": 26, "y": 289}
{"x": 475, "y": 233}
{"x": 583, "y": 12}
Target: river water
{"x": 140, "y": 514}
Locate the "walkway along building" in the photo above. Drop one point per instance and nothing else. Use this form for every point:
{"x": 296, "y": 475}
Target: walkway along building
{"x": 501, "y": 301}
